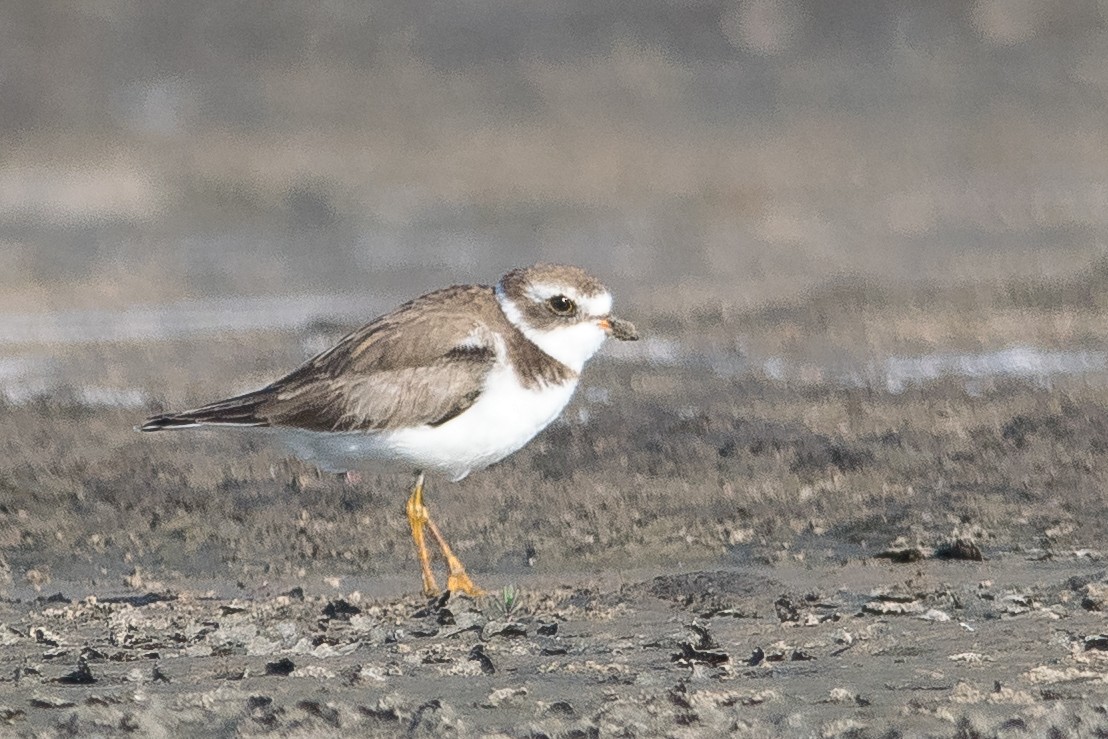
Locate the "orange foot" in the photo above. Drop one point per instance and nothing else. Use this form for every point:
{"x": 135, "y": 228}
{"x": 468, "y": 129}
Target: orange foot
{"x": 457, "y": 580}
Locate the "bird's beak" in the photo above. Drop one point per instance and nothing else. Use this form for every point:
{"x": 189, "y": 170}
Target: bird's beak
{"x": 619, "y": 329}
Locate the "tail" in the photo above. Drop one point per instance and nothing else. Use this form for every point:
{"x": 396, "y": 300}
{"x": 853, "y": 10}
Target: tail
{"x": 241, "y": 410}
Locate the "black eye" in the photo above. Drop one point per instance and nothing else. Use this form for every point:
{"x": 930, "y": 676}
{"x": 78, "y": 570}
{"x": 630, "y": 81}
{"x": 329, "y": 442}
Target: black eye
{"x": 562, "y": 305}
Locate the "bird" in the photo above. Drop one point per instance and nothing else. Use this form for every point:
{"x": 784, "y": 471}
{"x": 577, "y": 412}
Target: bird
{"x": 450, "y": 382}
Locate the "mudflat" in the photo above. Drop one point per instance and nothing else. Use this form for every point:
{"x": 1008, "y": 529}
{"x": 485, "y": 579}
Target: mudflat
{"x": 853, "y": 648}
{"x": 688, "y": 552}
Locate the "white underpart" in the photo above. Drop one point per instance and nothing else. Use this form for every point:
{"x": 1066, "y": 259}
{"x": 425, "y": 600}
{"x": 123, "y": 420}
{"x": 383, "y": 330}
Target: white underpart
{"x": 571, "y": 345}
{"x": 505, "y": 417}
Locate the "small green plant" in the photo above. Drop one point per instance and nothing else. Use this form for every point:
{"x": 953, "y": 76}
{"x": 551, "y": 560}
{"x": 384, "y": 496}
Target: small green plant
{"x": 507, "y": 602}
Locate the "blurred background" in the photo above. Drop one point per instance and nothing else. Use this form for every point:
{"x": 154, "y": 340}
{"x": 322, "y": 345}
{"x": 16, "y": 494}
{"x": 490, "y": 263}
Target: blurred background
{"x": 171, "y": 166}
{"x": 864, "y": 242}
{"x": 796, "y": 182}
{"x": 864, "y": 192}
{"x": 691, "y": 152}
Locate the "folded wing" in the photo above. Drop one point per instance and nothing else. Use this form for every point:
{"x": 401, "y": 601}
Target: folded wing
{"x": 424, "y": 363}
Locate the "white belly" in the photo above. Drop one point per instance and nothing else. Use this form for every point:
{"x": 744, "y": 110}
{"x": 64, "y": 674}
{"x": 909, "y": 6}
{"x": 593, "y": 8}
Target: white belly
{"x": 505, "y": 417}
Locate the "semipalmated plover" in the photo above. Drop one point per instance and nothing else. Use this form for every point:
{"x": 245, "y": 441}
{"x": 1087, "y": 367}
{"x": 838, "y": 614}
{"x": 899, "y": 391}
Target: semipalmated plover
{"x": 450, "y": 382}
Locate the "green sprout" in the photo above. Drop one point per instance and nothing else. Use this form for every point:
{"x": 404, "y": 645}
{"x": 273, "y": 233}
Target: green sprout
{"x": 508, "y": 601}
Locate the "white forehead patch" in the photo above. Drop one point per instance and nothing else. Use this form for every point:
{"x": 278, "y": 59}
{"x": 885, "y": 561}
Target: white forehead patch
{"x": 590, "y": 305}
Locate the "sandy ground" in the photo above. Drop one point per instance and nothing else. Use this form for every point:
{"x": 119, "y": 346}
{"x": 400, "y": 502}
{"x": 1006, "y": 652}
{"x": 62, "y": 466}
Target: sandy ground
{"x": 1009, "y": 647}
{"x": 852, "y": 485}
{"x": 761, "y": 558}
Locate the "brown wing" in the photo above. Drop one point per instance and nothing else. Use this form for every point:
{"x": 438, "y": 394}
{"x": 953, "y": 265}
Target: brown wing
{"x": 424, "y": 363}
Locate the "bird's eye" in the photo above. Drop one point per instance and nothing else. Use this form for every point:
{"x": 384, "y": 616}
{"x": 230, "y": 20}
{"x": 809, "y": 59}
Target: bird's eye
{"x": 562, "y": 305}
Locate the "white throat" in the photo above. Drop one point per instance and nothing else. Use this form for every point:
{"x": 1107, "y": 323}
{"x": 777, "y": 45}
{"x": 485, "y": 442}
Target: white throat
{"x": 571, "y": 345}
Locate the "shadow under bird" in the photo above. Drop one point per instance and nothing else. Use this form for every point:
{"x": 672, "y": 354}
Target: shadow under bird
{"x": 450, "y": 382}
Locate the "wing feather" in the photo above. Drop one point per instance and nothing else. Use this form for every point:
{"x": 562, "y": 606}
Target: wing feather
{"x": 424, "y": 363}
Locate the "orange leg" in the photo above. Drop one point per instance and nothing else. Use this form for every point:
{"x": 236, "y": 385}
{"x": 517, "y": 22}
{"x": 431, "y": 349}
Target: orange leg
{"x": 417, "y": 517}
{"x": 458, "y": 580}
